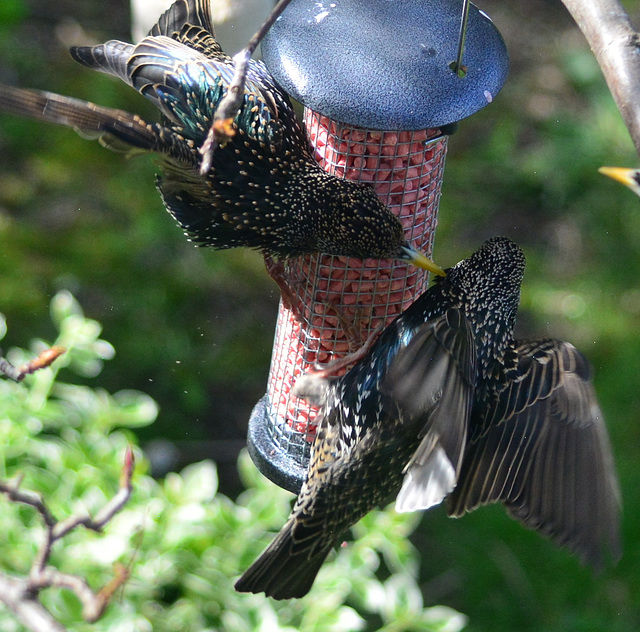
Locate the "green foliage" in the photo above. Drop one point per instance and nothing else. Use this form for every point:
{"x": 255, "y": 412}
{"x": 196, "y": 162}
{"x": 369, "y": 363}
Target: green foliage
{"x": 184, "y": 541}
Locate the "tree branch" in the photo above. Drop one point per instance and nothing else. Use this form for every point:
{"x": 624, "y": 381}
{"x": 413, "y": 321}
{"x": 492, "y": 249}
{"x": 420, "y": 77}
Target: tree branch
{"x": 21, "y": 594}
{"x": 31, "y": 613}
{"x": 222, "y": 127}
{"x": 45, "y": 359}
{"x": 616, "y": 46}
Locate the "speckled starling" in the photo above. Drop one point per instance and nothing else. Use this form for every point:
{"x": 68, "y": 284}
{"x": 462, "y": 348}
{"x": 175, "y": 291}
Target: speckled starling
{"x": 264, "y": 189}
{"x": 629, "y": 177}
{"x": 448, "y": 404}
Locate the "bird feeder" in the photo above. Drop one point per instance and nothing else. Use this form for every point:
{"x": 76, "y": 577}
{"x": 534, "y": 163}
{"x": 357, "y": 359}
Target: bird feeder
{"x": 381, "y": 92}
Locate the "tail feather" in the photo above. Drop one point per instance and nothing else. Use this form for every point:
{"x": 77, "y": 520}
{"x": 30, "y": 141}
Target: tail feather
{"x": 180, "y": 76}
{"x": 280, "y": 572}
{"x": 112, "y": 58}
{"x": 117, "y": 129}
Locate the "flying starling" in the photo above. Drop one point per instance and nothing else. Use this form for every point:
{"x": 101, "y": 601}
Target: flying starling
{"x": 629, "y": 177}
{"x": 448, "y": 404}
{"x": 264, "y": 189}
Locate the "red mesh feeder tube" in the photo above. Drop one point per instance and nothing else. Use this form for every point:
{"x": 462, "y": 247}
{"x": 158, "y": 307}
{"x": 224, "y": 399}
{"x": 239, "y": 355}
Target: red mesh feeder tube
{"x": 343, "y": 300}
{"x": 373, "y": 65}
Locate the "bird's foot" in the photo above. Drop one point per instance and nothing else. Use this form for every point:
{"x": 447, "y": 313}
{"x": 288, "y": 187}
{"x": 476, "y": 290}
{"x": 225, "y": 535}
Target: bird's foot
{"x": 339, "y": 364}
{"x": 275, "y": 269}
{"x": 352, "y": 321}
{"x": 222, "y": 129}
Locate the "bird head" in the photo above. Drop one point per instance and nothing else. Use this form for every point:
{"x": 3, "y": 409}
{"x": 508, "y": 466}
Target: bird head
{"x": 360, "y": 225}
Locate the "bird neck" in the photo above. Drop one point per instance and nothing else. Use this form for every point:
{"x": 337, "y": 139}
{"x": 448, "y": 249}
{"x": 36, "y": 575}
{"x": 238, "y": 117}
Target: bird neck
{"x": 315, "y": 198}
{"x": 491, "y": 321}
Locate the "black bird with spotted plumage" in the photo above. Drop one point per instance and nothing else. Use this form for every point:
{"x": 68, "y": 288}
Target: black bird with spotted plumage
{"x": 447, "y": 404}
{"x": 264, "y": 189}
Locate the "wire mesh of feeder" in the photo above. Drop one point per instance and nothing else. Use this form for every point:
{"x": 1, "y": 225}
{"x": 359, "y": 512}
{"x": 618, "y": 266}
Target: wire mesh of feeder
{"x": 343, "y": 300}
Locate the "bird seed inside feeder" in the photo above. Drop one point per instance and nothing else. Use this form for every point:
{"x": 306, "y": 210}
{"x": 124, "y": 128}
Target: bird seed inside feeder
{"x": 343, "y": 300}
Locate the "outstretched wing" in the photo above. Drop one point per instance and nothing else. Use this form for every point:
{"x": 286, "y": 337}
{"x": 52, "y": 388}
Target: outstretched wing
{"x": 432, "y": 382}
{"x": 116, "y": 129}
{"x": 540, "y": 446}
{"x": 186, "y": 83}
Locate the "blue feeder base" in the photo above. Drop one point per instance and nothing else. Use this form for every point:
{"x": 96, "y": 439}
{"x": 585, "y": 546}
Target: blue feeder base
{"x": 265, "y": 442}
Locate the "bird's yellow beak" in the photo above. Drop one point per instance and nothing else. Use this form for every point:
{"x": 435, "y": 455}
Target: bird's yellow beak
{"x": 420, "y": 260}
{"x": 629, "y": 177}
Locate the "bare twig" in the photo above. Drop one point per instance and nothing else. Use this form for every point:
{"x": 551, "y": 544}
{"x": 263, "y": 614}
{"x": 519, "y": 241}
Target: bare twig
{"x": 222, "y": 128}
{"x": 616, "y": 46}
{"x": 45, "y": 359}
{"x": 15, "y": 594}
{"x": 21, "y": 594}
{"x": 16, "y": 495}
{"x": 107, "y": 512}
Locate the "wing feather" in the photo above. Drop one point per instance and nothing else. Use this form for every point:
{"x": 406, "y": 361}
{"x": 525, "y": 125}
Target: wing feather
{"x": 547, "y": 457}
{"x": 431, "y": 380}
{"x": 181, "y": 12}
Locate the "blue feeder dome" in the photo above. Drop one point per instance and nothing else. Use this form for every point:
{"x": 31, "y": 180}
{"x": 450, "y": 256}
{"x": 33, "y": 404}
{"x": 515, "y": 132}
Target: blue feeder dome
{"x": 386, "y": 64}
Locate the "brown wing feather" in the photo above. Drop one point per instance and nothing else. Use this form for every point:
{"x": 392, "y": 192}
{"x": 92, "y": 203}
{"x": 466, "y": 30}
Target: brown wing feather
{"x": 547, "y": 455}
{"x": 117, "y": 129}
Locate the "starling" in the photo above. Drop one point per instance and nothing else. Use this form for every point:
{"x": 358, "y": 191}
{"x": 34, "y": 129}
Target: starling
{"x": 629, "y": 177}
{"x": 264, "y": 189}
{"x": 447, "y": 404}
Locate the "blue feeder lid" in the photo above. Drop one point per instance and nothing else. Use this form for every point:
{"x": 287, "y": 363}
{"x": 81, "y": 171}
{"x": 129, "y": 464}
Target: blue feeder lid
{"x": 386, "y": 64}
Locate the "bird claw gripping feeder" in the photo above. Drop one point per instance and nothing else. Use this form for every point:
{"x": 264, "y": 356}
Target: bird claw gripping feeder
{"x": 382, "y": 87}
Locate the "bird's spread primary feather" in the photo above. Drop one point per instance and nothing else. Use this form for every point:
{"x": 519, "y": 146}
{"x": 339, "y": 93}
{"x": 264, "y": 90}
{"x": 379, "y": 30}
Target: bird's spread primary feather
{"x": 448, "y": 403}
{"x": 264, "y": 189}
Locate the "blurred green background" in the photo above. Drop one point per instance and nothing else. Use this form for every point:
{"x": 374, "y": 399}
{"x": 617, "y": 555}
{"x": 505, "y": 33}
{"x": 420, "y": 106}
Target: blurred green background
{"x": 193, "y": 328}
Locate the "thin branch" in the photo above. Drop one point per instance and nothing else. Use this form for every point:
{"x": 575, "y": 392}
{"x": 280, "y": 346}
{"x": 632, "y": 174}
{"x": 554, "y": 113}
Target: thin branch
{"x": 20, "y": 594}
{"x": 16, "y": 495}
{"x": 616, "y": 46}
{"x": 222, "y": 127}
{"x": 93, "y": 603}
{"x": 45, "y": 359}
{"x": 15, "y": 594}
{"x": 107, "y": 512}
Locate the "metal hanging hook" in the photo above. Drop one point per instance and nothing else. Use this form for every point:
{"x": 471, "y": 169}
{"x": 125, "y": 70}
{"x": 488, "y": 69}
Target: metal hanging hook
{"x": 457, "y": 65}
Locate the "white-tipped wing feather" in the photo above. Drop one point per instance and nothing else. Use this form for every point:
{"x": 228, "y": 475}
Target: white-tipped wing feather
{"x": 431, "y": 381}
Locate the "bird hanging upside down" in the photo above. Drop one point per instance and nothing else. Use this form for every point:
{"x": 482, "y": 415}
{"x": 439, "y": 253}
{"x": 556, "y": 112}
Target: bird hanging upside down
{"x": 264, "y": 189}
{"x": 448, "y": 404}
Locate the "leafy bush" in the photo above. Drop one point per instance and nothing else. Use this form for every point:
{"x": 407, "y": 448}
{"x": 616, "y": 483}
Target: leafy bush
{"x": 184, "y": 542}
